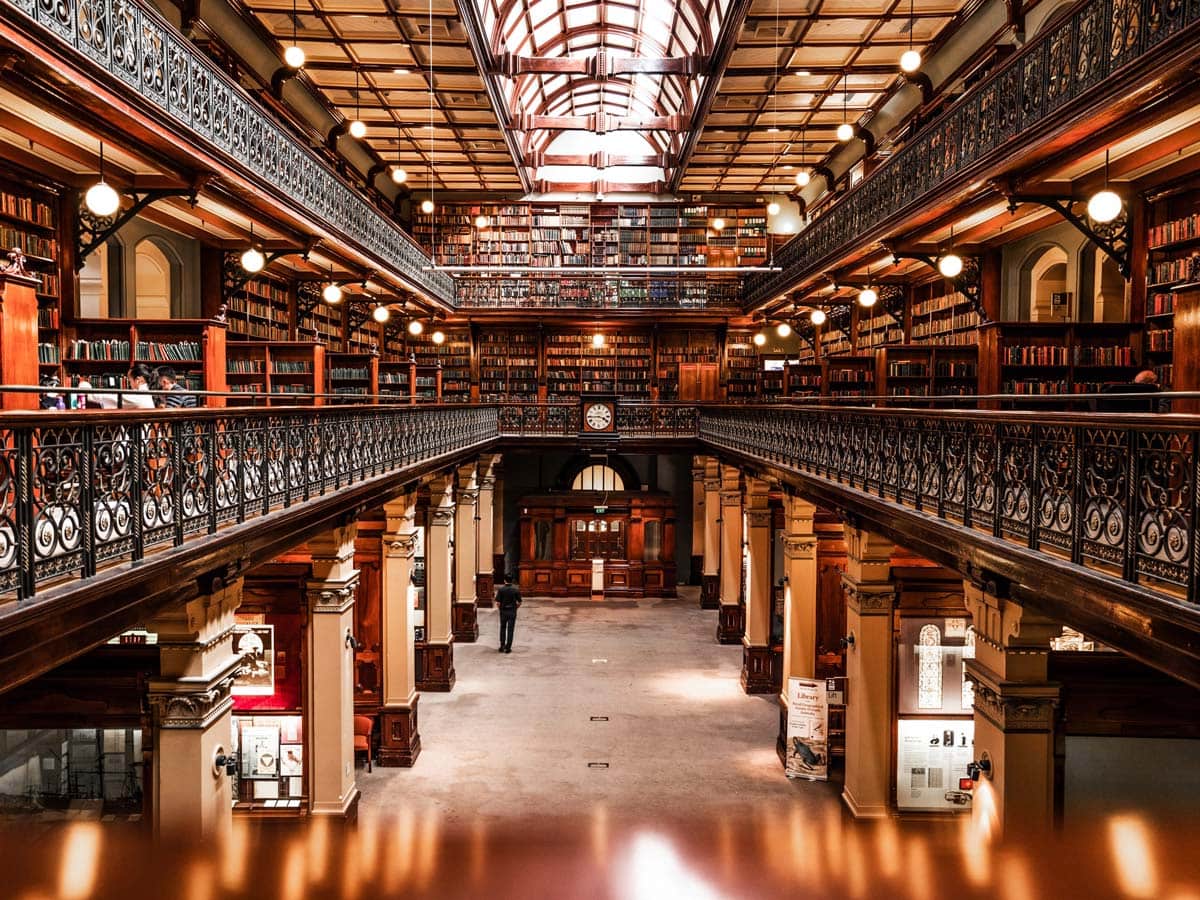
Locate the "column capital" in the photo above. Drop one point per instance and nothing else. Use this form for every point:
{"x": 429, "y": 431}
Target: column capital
{"x": 1006, "y": 624}
{"x": 799, "y": 546}
{"x": 331, "y": 596}
{"x": 179, "y": 704}
{"x": 731, "y": 498}
{"x": 1010, "y": 705}
{"x": 758, "y": 518}
{"x": 400, "y": 545}
{"x": 487, "y": 482}
{"x": 442, "y": 516}
{"x": 869, "y": 598}
{"x": 467, "y": 497}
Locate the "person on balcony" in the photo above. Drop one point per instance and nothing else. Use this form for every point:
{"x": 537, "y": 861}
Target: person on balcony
{"x": 178, "y": 396}
{"x": 140, "y": 378}
{"x": 1144, "y": 383}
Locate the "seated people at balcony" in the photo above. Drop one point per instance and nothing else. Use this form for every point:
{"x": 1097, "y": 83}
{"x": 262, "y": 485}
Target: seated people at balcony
{"x": 140, "y": 378}
{"x": 50, "y": 399}
{"x": 1145, "y": 382}
{"x": 178, "y": 396}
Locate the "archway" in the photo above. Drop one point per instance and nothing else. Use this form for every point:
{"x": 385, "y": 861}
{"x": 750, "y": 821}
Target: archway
{"x": 155, "y": 278}
{"x": 1044, "y": 295}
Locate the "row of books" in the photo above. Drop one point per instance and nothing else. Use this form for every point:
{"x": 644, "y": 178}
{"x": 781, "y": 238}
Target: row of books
{"x": 113, "y": 349}
{"x": 32, "y": 244}
{"x": 22, "y": 206}
{"x": 349, "y": 373}
{"x": 176, "y": 351}
{"x": 48, "y": 353}
{"x": 1177, "y": 230}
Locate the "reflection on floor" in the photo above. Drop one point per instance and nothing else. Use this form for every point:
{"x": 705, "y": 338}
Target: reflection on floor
{"x": 641, "y": 686}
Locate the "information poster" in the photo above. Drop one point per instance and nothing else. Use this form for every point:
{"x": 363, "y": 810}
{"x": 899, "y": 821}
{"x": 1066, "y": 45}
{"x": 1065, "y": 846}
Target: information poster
{"x": 932, "y": 756}
{"x": 255, "y": 644}
{"x": 807, "y": 730}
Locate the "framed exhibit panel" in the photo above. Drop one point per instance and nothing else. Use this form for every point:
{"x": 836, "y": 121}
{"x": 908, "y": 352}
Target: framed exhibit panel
{"x": 270, "y": 772}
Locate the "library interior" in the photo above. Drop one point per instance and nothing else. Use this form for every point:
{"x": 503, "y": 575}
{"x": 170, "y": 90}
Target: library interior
{"x": 802, "y": 395}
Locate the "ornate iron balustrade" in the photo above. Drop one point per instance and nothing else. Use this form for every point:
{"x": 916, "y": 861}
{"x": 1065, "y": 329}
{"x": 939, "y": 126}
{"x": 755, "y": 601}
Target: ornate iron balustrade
{"x": 634, "y": 420}
{"x": 84, "y": 490}
{"x": 129, "y": 40}
{"x": 1099, "y": 39}
{"x": 1117, "y": 494}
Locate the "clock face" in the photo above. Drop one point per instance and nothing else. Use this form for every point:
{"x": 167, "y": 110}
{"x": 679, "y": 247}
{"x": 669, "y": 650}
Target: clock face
{"x": 598, "y": 416}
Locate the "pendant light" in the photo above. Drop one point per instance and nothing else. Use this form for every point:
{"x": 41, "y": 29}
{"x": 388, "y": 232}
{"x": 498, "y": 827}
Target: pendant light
{"x": 910, "y": 59}
{"x": 381, "y": 313}
{"x": 253, "y": 261}
{"x": 438, "y": 337}
{"x": 358, "y": 128}
{"x": 818, "y": 317}
{"x": 1105, "y": 205}
{"x": 399, "y": 174}
{"x": 101, "y": 198}
{"x": 598, "y": 339}
{"x": 332, "y": 292}
{"x": 783, "y": 329}
{"x": 845, "y": 131}
{"x": 803, "y": 177}
{"x": 760, "y": 339}
{"x": 415, "y": 327}
{"x": 427, "y": 205}
{"x": 293, "y": 55}
{"x": 868, "y": 296}
{"x": 950, "y": 264}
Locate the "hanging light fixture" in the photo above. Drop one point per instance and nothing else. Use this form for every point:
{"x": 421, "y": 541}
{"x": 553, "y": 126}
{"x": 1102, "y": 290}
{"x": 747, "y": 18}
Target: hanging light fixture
{"x": 427, "y": 206}
{"x": 759, "y": 339}
{"x": 598, "y": 339}
{"x": 718, "y": 224}
{"x": 438, "y": 337}
{"x": 358, "y": 128}
{"x": 910, "y": 59}
{"x": 845, "y": 131}
{"x": 332, "y": 292}
{"x": 773, "y": 208}
{"x": 415, "y": 327}
{"x": 101, "y": 198}
{"x": 803, "y": 177}
{"x": 1105, "y": 204}
{"x": 867, "y": 297}
{"x": 399, "y": 175}
{"x": 253, "y": 260}
{"x": 783, "y": 329}
{"x": 481, "y": 221}
{"x": 949, "y": 263}
{"x": 381, "y": 313}
{"x": 818, "y": 317}
{"x": 293, "y": 55}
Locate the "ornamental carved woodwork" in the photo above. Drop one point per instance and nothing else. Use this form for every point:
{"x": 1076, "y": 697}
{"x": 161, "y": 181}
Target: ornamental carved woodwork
{"x": 194, "y": 709}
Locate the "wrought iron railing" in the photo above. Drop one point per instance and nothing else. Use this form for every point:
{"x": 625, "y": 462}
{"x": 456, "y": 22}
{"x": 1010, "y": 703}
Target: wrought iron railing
{"x": 81, "y": 490}
{"x": 633, "y": 420}
{"x": 1098, "y": 39}
{"x": 128, "y": 39}
{"x": 1113, "y": 493}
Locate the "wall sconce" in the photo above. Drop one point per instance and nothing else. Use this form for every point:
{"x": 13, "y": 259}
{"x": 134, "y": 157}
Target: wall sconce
{"x": 352, "y": 642}
{"x": 847, "y": 641}
{"x": 981, "y": 766}
{"x": 224, "y": 762}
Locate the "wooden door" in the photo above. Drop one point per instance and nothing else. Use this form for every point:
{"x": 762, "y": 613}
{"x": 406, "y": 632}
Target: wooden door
{"x": 698, "y": 381}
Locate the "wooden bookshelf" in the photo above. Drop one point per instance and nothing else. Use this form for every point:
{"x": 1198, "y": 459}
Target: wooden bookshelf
{"x": 742, "y": 384}
{"x": 1173, "y": 267}
{"x": 101, "y": 351}
{"x": 622, "y": 365}
{"x": 276, "y": 372}
{"x": 508, "y": 365}
{"x": 876, "y": 328}
{"x": 397, "y": 379}
{"x": 1057, "y": 357}
{"x": 695, "y": 354}
{"x": 923, "y": 370}
{"x": 324, "y": 323}
{"x": 260, "y": 310}
{"x": 849, "y": 376}
{"x": 353, "y": 375}
{"x": 443, "y": 371}
{"x": 805, "y": 379}
{"x": 942, "y": 315}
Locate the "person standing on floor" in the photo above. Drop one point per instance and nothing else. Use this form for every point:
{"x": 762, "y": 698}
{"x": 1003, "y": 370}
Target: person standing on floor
{"x": 508, "y": 598}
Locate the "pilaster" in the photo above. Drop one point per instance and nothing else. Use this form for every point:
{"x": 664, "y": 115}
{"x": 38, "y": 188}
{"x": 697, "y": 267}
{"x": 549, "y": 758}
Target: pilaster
{"x": 799, "y": 601}
{"x": 438, "y": 673}
{"x": 399, "y": 736}
{"x": 485, "y": 583}
{"x": 331, "y": 593}
{"x": 756, "y": 652}
{"x": 870, "y": 673}
{"x": 1014, "y": 712}
{"x": 190, "y": 702}
{"x": 710, "y": 580}
{"x": 696, "y": 572}
{"x": 731, "y": 624}
{"x": 466, "y": 493}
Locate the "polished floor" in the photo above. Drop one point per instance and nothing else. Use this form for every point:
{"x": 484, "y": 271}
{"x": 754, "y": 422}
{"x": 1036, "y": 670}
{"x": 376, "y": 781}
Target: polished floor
{"x": 629, "y": 709}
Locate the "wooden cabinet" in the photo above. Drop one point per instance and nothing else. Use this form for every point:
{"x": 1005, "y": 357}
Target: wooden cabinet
{"x": 18, "y": 338}
{"x": 698, "y": 381}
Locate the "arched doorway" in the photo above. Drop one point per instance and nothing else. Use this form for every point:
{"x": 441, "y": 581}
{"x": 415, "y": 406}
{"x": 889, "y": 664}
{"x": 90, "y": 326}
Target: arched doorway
{"x": 153, "y": 281}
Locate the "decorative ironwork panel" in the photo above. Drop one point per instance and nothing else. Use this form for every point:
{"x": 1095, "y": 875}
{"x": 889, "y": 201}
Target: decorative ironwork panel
{"x": 1125, "y": 41}
{"x": 92, "y": 29}
{"x": 1055, "y": 488}
{"x": 112, "y": 491}
{"x": 153, "y": 51}
{"x": 11, "y": 526}
{"x": 1016, "y": 465}
{"x": 125, "y": 40}
{"x": 1105, "y": 487}
{"x": 57, "y": 501}
{"x": 1166, "y": 498}
{"x": 982, "y": 455}
{"x": 58, "y": 17}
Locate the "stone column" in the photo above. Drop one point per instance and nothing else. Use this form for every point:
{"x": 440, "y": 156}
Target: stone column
{"x": 485, "y": 566}
{"x": 466, "y": 492}
{"x": 870, "y": 673}
{"x": 710, "y": 581}
{"x": 696, "y": 571}
{"x": 438, "y": 674}
{"x": 399, "y": 737}
{"x": 799, "y": 602}
{"x": 191, "y": 703}
{"x": 756, "y": 642}
{"x": 330, "y": 725}
{"x": 1014, "y": 712}
{"x": 731, "y": 622}
{"x": 497, "y": 541}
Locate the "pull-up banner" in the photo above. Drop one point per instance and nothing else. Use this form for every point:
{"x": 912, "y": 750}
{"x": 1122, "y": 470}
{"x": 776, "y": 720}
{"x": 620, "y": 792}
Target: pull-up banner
{"x": 807, "y": 730}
